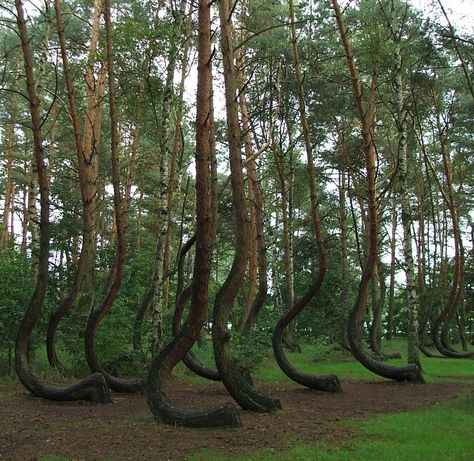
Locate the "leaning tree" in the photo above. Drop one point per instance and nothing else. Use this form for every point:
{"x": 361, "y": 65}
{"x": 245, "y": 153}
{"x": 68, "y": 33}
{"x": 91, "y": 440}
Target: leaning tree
{"x": 366, "y": 115}
{"x": 94, "y": 387}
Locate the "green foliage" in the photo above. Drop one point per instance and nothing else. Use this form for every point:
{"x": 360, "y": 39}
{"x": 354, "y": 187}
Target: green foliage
{"x": 251, "y": 350}
{"x": 15, "y": 288}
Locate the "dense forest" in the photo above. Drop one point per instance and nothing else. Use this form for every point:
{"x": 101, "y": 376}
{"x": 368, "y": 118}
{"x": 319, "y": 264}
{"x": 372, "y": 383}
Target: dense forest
{"x": 248, "y": 177}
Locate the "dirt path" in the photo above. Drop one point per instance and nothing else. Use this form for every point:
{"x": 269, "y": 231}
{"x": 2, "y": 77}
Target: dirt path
{"x": 30, "y": 427}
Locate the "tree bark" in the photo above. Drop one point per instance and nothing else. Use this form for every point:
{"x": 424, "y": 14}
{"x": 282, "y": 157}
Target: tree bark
{"x": 328, "y": 383}
{"x": 164, "y": 362}
{"x": 442, "y": 322}
{"x": 391, "y": 290}
{"x": 88, "y": 164}
{"x": 257, "y": 252}
{"x": 8, "y": 204}
{"x": 240, "y": 389}
{"x": 410, "y": 372}
{"x": 184, "y": 293}
{"x": 94, "y": 387}
{"x": 406, "y": 217}
{"x": 117, "y": 271}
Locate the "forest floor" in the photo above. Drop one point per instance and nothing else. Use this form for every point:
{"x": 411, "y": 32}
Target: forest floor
{"x": 31, "y": 428}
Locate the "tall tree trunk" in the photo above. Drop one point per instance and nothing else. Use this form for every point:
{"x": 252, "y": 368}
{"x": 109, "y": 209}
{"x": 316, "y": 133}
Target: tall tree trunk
{"x": 165, "y": 192}
{"x": 32, "y": 219}
{"x": 164, "y": 362}
{"x": 257, "y": 256}
{"x": 117, "y": 272}
{"x": 344, "y": 262}
{"x": 252, "y": 179}
{"x": 442, "y": 322}
{"x": 176, "y": 154}
{"x": 24, "y": 230}
{"x": 410, "y": 372}
{"x": 87, "y": 158}
{"x": 287, "y": 237}
{"x": 240, "y": 389}
{"x": 376, "y": 303}
{"x": 433, "y": 257}
{"x": 9, "y": 201}
{"x": 406, "y": 217}
{"x": 391, "y": 292}
{"x": 93, "y": 388}
{"x": 8, "y": 204}
{"x": 461, "y": 310}
{"x": 361, "y": 247}
{"x": 328, "y": 383}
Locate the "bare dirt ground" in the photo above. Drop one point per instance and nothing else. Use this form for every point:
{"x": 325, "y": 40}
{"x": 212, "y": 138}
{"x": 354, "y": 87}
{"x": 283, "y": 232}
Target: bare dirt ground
{"x": 31, "y": 427}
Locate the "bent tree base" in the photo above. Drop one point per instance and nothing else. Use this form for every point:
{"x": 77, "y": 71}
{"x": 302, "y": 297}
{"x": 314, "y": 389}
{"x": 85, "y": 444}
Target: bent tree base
{"x": 164, "y": 362}
{"x": 115, "y": 383}
{"x": 327, "y": 383}
{"x": 236, "y": 381}
{"x": 92, "y": 389}
{"x": 190, "y": 359}
{"x": 162, "y": 409}
{"x": 440, "y": 341}
{"x": 409, "y": 373}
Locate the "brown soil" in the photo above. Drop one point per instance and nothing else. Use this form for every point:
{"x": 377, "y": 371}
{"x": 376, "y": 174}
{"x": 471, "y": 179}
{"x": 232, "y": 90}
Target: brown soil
{"x": 31, "y": 427}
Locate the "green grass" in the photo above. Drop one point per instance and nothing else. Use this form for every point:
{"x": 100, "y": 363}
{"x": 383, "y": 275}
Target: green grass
{"x": 317, "y": 360}
{"x": 311, "y": 360}
{"x": 442, "y": 432}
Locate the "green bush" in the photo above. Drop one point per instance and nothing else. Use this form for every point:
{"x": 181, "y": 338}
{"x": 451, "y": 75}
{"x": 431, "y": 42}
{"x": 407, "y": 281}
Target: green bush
{"x": 15, "y": 290}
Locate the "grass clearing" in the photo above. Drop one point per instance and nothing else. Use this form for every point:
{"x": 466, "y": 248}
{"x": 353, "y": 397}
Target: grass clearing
{"x": 443, "y": 432}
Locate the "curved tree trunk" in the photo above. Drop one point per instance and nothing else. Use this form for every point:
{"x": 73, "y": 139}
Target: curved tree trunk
{"x": 328, "y": 383}
{"x": 87, "y": 159}
{"x": 183, "y": 296}
{"x": 257, "y": 256}
{"x": 410, "y": 372}
{"x": 164, "y": 362}
{"x": 442, "y": 322}
{"x": 177, "y": 151}
{"x": 376, "y": 301}
{"x": 235, "y": 382}
{"x": 286, "y": 215}
{"x": 94, "y": 387}
{"x": 96, "y": 315}
{"x": 432, "y": 254}
{"x": 261, "y": 295}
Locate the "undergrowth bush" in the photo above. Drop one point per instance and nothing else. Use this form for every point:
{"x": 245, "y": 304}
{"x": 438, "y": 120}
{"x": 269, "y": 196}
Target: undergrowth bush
{"x": 251, "y": 350}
